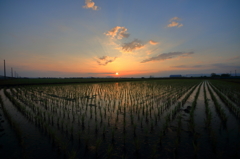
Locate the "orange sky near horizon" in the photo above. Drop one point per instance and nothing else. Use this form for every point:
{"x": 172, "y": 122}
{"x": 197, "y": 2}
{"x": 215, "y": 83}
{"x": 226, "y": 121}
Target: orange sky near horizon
{"x": 135, "y": 39}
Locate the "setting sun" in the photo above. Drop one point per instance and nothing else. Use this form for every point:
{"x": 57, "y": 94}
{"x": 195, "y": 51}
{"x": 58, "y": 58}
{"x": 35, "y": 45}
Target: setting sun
{"x": 116, "y": 73}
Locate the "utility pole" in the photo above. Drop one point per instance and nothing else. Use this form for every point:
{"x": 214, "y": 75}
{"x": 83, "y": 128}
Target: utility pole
{"x": 235, "y": 73}
{"x": 12, "y": 72}
{"x": 4, "y": 70}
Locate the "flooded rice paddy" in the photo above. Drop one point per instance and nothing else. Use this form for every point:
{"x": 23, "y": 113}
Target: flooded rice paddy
{"x": 150, "y": 119}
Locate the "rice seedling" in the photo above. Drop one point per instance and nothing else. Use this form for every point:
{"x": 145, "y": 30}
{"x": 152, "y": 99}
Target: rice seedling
{"x": 98, "y": 142}
{"x": 179, "y": 126}
{"x": 233, "y": 108}
{"x": 219, "y": 109}
{"x": 72, "y": 154}
{"x": 13, "y": 123}
{"x": 207, "y": 110}
{"x": 109, "y": 151}
{"x": 137, "y": 145}
{"x": 134, "y": 109}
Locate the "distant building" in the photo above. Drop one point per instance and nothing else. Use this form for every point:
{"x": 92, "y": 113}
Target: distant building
{"x": 175, "y": 76}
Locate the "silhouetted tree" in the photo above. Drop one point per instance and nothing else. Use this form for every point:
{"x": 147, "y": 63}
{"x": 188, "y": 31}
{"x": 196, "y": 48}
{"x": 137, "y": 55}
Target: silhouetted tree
{"x": 225, "y": 75}
{"x": 213, "y": 74}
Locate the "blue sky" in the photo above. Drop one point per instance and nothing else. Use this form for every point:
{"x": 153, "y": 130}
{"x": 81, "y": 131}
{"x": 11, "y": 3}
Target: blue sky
{"x": 132, "y": 37}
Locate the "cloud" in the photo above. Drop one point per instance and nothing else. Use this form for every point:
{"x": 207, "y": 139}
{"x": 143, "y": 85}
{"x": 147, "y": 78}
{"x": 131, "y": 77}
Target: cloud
{"x": 151, "y": 51}
{"x": 118, "y": 32}
{"x": 222, "y": 66}
{"x": 174, "y": 24}
{"x": 180, "y": 25}
{"x": 167, "y": 56}
{"x": 175, "y": 18}
{"x": 104, "y": 60}
{"x": 97, "y": 73}
{"x": 233, "y": 58}
{"x": 225, "y": 66}
{"x": 186, "y": 66}
{"x": 90, "y": 4}
{"x": 153, "y": 42}
{"x": 132, "y": 46}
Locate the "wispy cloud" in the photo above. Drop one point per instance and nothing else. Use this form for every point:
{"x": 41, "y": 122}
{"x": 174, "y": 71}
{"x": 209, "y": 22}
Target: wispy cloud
{"x": 180, "y": 25}
{"x": 90, "y": 4}
{"x": 153, "y": 42}
{"x": 174, "y": 18}
{"x": 221, "y": 66}
{"x": 118, "y": 32}
{"x": 187, "y": 66}
{"x": 151, "y": 51}
{"x": 233, "y": 58}
{"x": 167, "y": 56}
{"x": 174, "y": 23}
{"x": 104, "y": 60}
{"x": 226, "y": 66}
{"x": 132, "y": 46}
{"x": 99, "y": 73}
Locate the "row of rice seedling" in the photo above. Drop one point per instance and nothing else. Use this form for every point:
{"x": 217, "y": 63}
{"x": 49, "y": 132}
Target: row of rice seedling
{"x": 218, "y": 107}
{"x": 230, "y": 130}
{"x": 91, "y": 116}
{"x": 194, "y": 135}
{"x": 174, "y": 117}
{"x": 172, "y": 113}
{"x": 229, "y": 89}
{"x": 105, "y": 109}
{"x": 208, "y": 121}
{"x": 208, "y": 112}
{"x": 233, "y": 108}
{"x": 15, "y": 127}
{"x": 191, "y": 115}
{"x": 40, "y": 120}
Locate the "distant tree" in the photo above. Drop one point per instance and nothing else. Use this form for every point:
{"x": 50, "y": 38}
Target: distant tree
{"x": 213, "y": 74}
{"x": 225, "y": 75}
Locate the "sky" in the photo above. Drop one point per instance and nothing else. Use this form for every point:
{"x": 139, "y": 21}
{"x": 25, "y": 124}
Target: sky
{"x": 136, "y": 38}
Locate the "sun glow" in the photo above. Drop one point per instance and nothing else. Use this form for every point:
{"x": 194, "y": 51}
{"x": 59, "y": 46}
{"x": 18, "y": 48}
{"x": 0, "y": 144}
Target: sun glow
{"x": 116, "y": 73}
